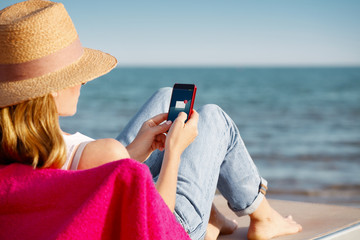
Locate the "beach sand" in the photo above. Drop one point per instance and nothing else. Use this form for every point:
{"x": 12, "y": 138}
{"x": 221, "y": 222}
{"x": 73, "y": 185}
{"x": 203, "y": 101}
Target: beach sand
{"x": 319, "y": 221}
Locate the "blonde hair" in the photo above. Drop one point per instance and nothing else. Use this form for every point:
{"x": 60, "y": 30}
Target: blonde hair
{"x": 30, "y": 134}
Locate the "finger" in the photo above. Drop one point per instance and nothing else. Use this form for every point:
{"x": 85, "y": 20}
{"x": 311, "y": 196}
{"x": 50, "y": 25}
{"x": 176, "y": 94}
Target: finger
{"x": 179, "y": 122}
{"x": 194, "y": 116}
{"x": 159, "y": 146}
{"x": 159, "y": 118}
{"x": 161, "y": 138}
{"x": 194, "y": 119}
{"x": 181, "y": 117}
{"x": 163, "y": 128}
{"x": 160, "y": 141}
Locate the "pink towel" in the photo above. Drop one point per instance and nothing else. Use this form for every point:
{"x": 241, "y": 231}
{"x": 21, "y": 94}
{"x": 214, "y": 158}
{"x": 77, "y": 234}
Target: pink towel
{"x": 114, "y": 201}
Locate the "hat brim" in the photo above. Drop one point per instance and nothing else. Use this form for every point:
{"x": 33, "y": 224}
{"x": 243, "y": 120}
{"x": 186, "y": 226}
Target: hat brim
{"x": 92, "y": 64}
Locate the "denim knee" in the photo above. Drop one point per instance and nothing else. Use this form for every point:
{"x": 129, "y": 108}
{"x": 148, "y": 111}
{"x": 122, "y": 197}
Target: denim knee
{"x": 165, "y": 91}
{"x": 210, "y": 110}
{"x": 215, "y": 115}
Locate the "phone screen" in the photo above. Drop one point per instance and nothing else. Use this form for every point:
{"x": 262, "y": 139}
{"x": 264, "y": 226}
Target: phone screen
{"x": 182, "y": 100}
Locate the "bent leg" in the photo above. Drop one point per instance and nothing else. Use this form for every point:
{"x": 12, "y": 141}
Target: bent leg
{"x": 218, "y": 155}
{"x": 217, "y": 151}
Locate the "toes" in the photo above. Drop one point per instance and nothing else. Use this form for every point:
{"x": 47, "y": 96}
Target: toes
{"x": 299, "y": 227}
{"x": 290, "y": 219}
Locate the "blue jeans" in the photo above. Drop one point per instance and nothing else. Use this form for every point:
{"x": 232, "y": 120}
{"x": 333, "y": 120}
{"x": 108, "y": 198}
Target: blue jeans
{"x": 216, "y": 159}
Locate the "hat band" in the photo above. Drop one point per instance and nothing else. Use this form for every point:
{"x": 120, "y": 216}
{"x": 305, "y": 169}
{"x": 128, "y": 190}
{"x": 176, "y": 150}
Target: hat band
{"x": 42, "y": 66}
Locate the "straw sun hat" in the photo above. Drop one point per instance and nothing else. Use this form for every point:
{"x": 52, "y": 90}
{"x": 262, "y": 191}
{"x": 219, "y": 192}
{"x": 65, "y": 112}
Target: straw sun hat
{"x": 40, "y": 52}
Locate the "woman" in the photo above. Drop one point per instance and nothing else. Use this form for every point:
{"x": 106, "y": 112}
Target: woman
{"x": 42, "y": 67}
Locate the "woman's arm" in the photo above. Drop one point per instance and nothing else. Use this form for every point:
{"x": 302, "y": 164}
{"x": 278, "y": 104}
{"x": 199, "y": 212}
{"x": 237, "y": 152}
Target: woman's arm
{"x": 102, "y": 151}
{"x": 180, "y": 136}
{"x": 149, "y": 138}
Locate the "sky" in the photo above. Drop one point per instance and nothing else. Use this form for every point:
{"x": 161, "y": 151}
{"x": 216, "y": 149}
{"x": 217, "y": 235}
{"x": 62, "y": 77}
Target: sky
{"x": 220, "y": 33}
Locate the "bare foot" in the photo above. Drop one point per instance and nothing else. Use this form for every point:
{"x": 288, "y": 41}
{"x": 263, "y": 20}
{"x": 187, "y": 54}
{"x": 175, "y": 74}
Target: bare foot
{"x": 219, "y": 224}
{"x": 266, "y": 223}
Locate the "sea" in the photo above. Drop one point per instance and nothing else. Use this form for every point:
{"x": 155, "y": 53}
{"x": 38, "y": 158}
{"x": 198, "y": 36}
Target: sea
{"x": 301, "y": 125}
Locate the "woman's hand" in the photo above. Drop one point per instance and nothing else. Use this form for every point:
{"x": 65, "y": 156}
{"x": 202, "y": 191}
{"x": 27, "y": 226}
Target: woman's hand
{"x": 182, "y": 134}
{"x": 149, "y": 138}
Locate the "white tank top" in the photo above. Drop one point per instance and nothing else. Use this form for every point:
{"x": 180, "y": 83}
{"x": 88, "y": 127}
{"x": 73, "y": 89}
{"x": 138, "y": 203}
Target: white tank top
{"x": 75, "y": 145}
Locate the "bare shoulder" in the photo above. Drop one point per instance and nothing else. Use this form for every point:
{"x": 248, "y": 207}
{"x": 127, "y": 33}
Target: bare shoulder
{"x": 102, "y": 151}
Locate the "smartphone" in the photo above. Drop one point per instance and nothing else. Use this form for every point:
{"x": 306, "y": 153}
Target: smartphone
{"x": 182, "y": 100}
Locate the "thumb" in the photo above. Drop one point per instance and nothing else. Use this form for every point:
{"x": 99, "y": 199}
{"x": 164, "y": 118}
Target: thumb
{"x": 162, "y": 128}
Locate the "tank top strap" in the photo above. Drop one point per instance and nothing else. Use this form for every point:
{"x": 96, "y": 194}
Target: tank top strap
{"x": 77, "y": 156}
{"x": 75, "y": 145}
